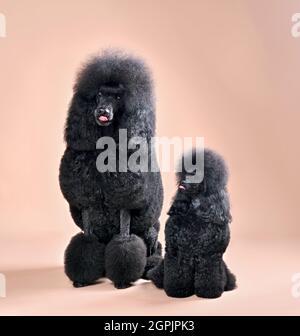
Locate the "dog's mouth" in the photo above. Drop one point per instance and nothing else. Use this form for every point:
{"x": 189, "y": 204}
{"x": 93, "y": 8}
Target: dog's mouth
{"x": 182, "y": 187}
{"x": 104, "y": 119}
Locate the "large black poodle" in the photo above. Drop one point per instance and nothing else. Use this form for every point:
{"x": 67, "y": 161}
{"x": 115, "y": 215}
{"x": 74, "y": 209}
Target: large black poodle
{"x": 117, "y": 211}
{"x": 197, "y": 233}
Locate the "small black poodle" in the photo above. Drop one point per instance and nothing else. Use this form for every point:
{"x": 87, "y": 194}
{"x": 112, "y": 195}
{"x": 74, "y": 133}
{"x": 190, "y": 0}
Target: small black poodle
{"x": 117, "y": 211}
{"x": 197, "y": 233}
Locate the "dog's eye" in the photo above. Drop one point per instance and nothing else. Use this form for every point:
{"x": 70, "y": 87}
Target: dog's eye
{"x": 118, "y": 97}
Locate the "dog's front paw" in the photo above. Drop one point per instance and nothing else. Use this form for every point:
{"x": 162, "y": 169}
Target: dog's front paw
{"x": 122, "y": 285}
{"x": 179, "y": 292}
{"x": 80, "y": 284}
{"x": 209, "y": 292}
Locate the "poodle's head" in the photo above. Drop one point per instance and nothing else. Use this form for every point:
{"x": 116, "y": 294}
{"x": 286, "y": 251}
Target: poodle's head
{"x": 112, "y": 91}
{"x": 109, "y": 103}
{"x": 209, "y": 165}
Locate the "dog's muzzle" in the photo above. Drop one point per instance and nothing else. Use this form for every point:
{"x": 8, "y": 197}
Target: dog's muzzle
{"x": 104, "y": 115}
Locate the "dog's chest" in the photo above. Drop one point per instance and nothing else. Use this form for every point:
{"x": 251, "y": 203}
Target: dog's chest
{"x": 79, "y": 178}
{"x": 191, "y": 236}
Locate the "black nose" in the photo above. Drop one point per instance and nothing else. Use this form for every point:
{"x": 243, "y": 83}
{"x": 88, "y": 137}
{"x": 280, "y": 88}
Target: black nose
{"x": 105, "y": 110}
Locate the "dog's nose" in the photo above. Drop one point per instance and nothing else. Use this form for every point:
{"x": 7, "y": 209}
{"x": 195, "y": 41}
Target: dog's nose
{"x": 105, "y": 110}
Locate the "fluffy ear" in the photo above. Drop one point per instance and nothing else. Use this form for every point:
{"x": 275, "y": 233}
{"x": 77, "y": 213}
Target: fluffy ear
{"x": 215, "y": 208}
{"x": 142, "y": 121}
{"x": 81, "y": 133}
{"x": 139, "y": 115}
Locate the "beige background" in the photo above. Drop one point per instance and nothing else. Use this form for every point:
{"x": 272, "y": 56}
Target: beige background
{"x": 230, "y": 69}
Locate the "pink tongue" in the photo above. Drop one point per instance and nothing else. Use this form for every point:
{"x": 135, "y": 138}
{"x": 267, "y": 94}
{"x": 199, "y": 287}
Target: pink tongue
{"x": 181, "y": 187}
{"x": 103, "y": 118}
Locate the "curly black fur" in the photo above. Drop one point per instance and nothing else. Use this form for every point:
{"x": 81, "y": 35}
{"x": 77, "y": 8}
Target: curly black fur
{"x": 125, "y": 260}
{"x": 95, "y": 199}
{"x": 84, "y": 259}
{"x": 197, "y": 235}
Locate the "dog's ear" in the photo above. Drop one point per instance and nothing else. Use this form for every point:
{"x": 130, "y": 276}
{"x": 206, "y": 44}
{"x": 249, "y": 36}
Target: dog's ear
{"x": 215, "y": 208}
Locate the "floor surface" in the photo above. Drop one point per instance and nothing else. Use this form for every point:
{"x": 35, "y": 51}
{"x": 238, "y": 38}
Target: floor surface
{"x": 265, "y": 287}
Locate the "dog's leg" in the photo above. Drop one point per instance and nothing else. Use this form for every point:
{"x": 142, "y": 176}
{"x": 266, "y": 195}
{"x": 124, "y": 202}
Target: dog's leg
{"x": 178, "y": 276}
{"x": 153, "y": 260}
{"x": 125, "y": 255}
{"x": 154, "y": 251}
{"x": 230, "y": 279}
{"x": 156, "y": 275}
{"x": 84, "y": 256}
{"x": 210, "y": 276}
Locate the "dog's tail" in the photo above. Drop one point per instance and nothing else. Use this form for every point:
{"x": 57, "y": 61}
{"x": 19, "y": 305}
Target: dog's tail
{"x": 231, "y": 279}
